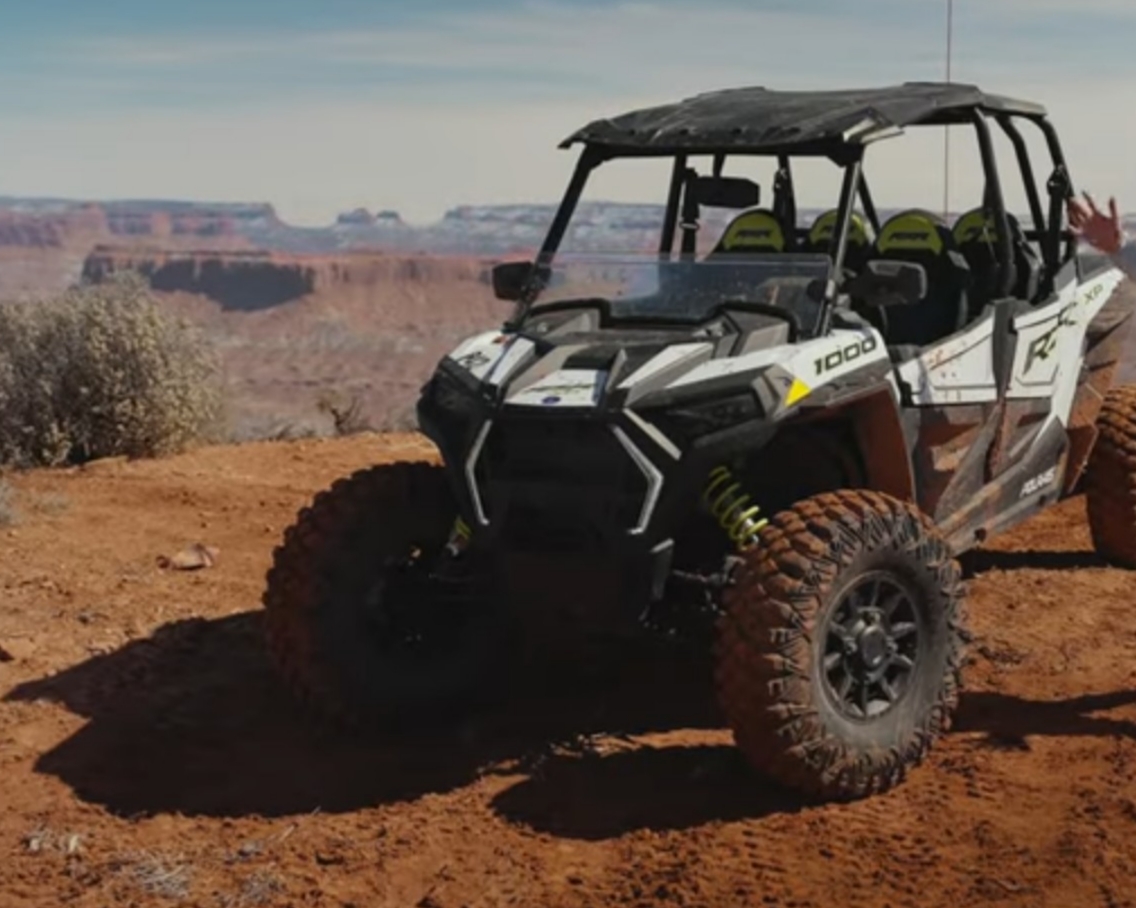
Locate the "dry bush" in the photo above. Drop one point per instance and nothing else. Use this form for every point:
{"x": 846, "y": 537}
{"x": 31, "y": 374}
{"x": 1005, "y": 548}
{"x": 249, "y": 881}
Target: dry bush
{"x": 244, "y": 428}
{"x": 102, "y": 371}
{"x": 262, "y": 888}
{"x": 167, "y": 876}
{"x": 346, "y": 412}
{"x": 402, "y": 419}
{"x": 291, "y": 431}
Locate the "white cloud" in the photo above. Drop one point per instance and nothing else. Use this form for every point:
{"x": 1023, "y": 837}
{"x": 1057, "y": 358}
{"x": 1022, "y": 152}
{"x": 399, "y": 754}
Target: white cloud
{"x": 634, "y": 42}
{"x": 1122, "y": 8}
{"x": 311, "y": 160}
{"x": 423, "y": 146}
{"x": 314, "y": 161}
{"x": 625, "y": 44}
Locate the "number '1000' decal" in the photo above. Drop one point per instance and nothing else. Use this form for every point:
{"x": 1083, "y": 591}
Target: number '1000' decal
{"x": 846, "y": 354}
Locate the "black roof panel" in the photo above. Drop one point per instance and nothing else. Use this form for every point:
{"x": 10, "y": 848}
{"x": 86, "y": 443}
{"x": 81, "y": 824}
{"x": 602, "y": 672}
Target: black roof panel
{"x": 761, "y": 119}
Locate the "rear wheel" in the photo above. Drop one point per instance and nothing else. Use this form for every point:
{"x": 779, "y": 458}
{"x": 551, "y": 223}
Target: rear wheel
{"x": 840, "y": 651}
{"x": 361, "y": 618}
{"x": 1110, "y": 479}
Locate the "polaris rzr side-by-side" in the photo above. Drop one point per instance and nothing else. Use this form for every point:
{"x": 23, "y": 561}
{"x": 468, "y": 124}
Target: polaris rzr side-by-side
{"x": 796, "y": 431}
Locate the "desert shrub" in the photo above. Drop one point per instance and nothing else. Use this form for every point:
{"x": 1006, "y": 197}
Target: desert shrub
{"x": 102, "y": 370}
{"x": 346, "y": 412}
{"x": 244, "y": 427}
{"x": 400, "y": 419}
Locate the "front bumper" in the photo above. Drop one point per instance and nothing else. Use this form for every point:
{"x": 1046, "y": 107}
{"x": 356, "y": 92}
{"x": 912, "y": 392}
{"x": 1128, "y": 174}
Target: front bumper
{"x": 561, "y": 479}
{"x": 551, "y": 482}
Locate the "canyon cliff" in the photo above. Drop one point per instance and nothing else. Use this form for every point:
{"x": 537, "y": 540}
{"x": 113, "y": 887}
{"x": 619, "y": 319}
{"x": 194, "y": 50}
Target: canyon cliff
{"x": 292, "y": 328}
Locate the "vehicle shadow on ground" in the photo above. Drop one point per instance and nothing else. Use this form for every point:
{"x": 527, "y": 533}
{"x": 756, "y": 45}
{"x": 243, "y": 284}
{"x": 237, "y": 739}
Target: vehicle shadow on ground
{"x": 596, "y": 797}
{"x": 194, "y": 720}
{"x": 979, "y": 561}
{"x": 603, "y": 797}
{"x": 1008, "y": 721}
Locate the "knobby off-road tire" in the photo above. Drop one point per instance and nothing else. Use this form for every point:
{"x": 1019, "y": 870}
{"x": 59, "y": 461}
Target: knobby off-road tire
{"x": 340, "y": 612}
{"x": 789, "y": 642}
{"x": 1110, "y": 479}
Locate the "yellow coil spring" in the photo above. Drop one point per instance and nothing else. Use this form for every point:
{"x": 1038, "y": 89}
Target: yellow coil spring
{"x": 459, "y": 536}
{"x": 461, "y": 529}
{"x": 728, "y": 506}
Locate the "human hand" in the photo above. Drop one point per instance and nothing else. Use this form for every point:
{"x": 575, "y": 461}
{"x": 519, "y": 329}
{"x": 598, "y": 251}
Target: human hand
{"x": 1094, "y": 227}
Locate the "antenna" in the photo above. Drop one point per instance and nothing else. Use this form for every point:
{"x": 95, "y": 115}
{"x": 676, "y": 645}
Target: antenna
{"x": 947, "y": 129}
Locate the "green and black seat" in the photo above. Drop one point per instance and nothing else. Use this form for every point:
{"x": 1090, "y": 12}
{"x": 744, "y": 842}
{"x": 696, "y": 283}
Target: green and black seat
{"x": 859, "y": 238}
{"x": 976, "y": 237}
{"x": 974, "y": 233}
{"x": 756, "y": 230}
{"x": 922, "y": 238}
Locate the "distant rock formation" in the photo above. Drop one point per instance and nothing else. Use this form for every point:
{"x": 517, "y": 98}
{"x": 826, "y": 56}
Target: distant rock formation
{"x": 43, "y": 242}
{"x": 359, "y": 217}
{"x": 249, "y": 281}
{"x": 463, "y": 230}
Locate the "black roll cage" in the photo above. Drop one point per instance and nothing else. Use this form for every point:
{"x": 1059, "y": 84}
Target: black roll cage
{"x": 681, "y": 211}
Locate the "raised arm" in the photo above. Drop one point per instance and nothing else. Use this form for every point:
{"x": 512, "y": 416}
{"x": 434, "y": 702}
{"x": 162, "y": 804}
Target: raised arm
{"x": 1103, "y": 232}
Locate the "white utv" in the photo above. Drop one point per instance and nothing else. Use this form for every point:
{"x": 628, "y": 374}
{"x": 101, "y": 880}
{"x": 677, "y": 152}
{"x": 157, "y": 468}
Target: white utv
{"x": 804, "y": 425}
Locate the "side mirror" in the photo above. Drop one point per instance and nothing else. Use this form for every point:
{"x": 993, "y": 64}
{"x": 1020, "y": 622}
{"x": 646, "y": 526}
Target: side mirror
{"x": 726, "y": 192}
{"x": 888, "y": 282}
{"x": 816, "y": 289}
{"x": 509, "y": 279}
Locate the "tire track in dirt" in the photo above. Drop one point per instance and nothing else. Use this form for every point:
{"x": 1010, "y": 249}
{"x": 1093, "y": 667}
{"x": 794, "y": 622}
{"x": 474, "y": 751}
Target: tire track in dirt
{"x": 139, "y": 713}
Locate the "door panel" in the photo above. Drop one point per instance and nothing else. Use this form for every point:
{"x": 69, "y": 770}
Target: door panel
{"x": 1047, "y": 361}
{"x": 952, "y": 392}
{"x": 959, "y": 370}
{"x": 1022, "y": 367}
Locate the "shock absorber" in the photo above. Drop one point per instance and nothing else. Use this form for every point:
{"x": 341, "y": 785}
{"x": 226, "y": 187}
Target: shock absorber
{"x": 732, "y": 509}
{"x": 459, "y": 537}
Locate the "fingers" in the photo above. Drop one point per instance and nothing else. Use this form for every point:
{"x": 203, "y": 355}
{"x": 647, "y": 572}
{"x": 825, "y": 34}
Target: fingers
{"x": 1092, "y": 204}
{"x": 1077, "y": 214}
{"x": 1112, "y": 211}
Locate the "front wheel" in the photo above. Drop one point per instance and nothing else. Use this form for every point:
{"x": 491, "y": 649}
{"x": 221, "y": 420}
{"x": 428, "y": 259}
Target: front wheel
{"x": 361, "y": 620}
{"x": 838, "y": 660}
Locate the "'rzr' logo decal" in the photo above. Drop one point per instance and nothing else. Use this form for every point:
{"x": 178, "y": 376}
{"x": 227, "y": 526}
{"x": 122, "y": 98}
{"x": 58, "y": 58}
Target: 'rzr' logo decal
{"x": 912, "y": 236}
{"x": 1042, "y": 346}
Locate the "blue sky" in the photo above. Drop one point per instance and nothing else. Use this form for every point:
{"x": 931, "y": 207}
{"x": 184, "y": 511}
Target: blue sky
{"x": 321, "y": 105}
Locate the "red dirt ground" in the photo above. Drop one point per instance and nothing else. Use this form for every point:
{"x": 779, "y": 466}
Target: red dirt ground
{"x": 148, "y": 755}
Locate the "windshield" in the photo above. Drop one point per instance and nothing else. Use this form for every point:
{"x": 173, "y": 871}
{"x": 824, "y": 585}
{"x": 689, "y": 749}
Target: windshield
{"x": 643, "y": 286}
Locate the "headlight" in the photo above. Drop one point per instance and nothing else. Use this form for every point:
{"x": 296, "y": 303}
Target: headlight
{"x": 447, "y": 392}
{"x": 447, "y": 405}
{"x": 693, "y": 420}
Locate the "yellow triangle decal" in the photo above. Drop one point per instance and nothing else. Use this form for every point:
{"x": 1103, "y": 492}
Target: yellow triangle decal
{"x": 796, "y": 391}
